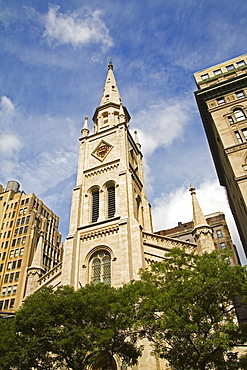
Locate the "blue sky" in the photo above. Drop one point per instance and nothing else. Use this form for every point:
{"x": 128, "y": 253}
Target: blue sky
{"x": 53, "y": 58}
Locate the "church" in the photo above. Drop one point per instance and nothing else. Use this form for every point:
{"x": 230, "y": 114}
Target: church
{"x": 110, "y": 233}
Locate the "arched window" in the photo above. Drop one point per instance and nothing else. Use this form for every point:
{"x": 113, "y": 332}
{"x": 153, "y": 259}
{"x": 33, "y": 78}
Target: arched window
{"x": 101, "y": 267}
{"x": 95, "y": 205}
{"x": 239, "y": 114}
{"x": 111, "y": 207}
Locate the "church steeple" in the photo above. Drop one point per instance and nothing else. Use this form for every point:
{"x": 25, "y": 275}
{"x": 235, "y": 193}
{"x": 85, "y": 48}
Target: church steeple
{"x": 110, "y": 92}
{"x": 110, "y": 111}
{"x": 202, "y": 232}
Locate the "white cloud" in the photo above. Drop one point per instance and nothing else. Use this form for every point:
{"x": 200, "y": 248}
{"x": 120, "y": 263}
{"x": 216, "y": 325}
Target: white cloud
{"x": 9, "y": 145}
{"x": 71, "y": 28}
{"x": 7, "y": 111}
{"x": 161, "y": 124}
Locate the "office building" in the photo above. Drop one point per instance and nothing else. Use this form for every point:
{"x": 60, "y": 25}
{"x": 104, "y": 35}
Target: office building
{"x": 222, "y": 102}
{"x": 27, "y": 226}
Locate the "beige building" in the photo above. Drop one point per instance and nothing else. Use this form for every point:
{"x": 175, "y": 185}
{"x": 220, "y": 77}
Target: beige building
{"x": 222, "y": 102}
{"x": 28, "y": 228}
{"x": 221, "y": 235}
{"x": 110, "y": 233}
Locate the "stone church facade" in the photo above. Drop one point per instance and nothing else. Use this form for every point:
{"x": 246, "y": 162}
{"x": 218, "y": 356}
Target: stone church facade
{"x": 110, "y": 234}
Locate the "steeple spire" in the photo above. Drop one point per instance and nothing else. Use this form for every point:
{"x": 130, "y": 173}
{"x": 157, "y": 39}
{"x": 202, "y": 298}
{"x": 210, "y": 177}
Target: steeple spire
{"x": 110, "y": 92}
{"x": 198, "y": 217}
{"x": 202, "y": 232}
{"x": 110, "y": 112}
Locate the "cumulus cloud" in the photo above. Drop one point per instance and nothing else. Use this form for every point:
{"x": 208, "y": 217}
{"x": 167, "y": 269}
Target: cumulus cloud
{"x": 71, "y": 28}
{"x": 9, "y": 145}
{"x": 7, "y": 111}
{"x": 160, "y": 125}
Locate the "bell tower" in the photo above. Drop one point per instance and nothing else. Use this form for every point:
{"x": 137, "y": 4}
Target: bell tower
{"x": 109, "y": 209}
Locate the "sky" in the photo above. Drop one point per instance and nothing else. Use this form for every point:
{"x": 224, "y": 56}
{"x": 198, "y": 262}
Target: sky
{"x": 53, "y": 59}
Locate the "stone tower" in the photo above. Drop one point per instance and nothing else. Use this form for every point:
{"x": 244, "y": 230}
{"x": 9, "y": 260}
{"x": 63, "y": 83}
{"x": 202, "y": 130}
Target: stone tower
{"x": 109, "y": 208}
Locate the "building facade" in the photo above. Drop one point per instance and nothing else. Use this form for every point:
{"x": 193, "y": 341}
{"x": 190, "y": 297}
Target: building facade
{"x": 221, "y": 235}
{"x": 222, "y": 102}
{"x": 27, "y": 226}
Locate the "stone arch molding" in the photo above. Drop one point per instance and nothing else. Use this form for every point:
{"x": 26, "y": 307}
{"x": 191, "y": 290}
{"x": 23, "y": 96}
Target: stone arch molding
{"x": 97, "y": 249}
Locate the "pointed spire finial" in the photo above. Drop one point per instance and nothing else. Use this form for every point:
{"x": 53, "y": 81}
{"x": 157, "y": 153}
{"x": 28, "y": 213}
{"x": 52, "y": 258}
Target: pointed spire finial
{"x": 85, "y": 130}
{"x": 121, "y": 113}
{"x": 110, "y": 65}
{"x": 137, "y": 140}
{"x": 202, "y": 232}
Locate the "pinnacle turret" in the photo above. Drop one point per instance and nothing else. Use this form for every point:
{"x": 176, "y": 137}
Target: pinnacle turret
{"x": 202, "y": 232}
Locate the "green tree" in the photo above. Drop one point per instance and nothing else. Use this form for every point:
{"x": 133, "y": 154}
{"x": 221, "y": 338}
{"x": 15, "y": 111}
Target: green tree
{"x": 74, "y": 328}
{"x": 186, "y": 309}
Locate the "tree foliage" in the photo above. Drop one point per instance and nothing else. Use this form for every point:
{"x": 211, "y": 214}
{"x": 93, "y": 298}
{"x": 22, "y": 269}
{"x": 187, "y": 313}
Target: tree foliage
{"x": 187, "y": 309}
{"x": 72, "y": 329}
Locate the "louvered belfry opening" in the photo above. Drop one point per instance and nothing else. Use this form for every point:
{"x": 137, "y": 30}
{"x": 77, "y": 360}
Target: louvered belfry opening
{"x": 95, "y": 206}
{"x": 111, "y": 201}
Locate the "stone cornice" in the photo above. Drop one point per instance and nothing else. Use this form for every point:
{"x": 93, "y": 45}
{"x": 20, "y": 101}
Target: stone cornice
{"x": 105, "y": 168}
{"x": 236, "y": 148}
{"x": 54, "y": 271}
{"x": 99, "y": 232}
{"x": 165, "y": 241}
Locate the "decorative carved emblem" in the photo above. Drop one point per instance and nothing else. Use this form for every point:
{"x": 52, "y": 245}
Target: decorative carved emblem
{"x": 102, "y": 150}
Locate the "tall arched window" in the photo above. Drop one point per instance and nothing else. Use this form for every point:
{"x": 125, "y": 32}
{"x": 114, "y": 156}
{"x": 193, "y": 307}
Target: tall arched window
{"x": 95, "y": 205}
{"x": 101, "y": 267}
{"x": 111, "y": 207}
{"x": 239, "y": 114}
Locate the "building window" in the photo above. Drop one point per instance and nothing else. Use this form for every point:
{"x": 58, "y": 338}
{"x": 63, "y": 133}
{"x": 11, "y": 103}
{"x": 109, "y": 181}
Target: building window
{"x": 6, "y": 304}
{"x": 4, "y": 291}
{"x": 230, "y": 119}
{"x": 217, "y": 72}
{"x": 111, "y": 201}
{"x": 239, "y": 114}
{"x": 9, "y": 265}
{"x": 221, "y": 101}
{"x": 11, "y": 253}
{"x": 6, "y": 278}
{"x": 240, "y": 63}
{"x": 205, "y": 76}
{"x": 1, "y": 305}
{"x": 223, "y": 245}
{"x": 21, "y": 251}
{"x": 12, "y": 302}
{"x": 101, "y": 268}
{"x": 95, "y": 206}
{"x": 11, "y": 277}
{"x": 14, "y": 265}
{"x": 238, "y": 136}
{"x": 219, "y": 233}
{"x": 9, "y": 290}
{"x": 17, "y": 274}
{"x": 14, "y": 289}
{"x": 244, "y": 131}
{"x": 19, "y": 263}
{"x": 230, "y": 67}
{"x": 240, "y": 94}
